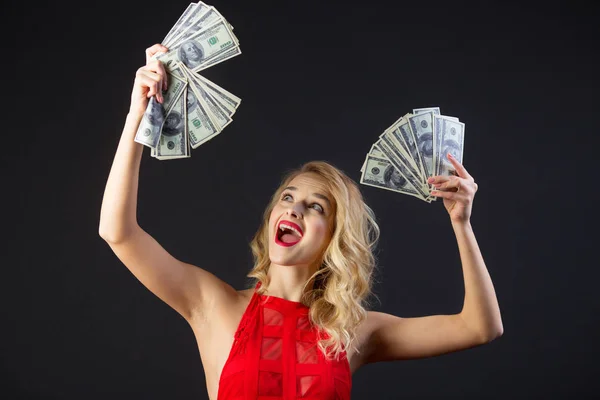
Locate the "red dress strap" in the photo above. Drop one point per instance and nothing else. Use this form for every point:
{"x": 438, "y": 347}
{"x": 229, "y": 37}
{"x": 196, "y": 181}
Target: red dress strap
{"x": 275, "y": 356}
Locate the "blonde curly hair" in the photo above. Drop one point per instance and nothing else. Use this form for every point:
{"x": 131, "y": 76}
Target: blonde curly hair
{"x": 343, "y": 282}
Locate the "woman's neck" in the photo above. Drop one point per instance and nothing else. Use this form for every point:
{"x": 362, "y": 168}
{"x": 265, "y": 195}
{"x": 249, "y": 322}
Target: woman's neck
{"x": 287, "y": 282}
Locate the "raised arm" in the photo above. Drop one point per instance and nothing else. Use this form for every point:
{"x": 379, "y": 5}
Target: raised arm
{"x": 190, "y": 290}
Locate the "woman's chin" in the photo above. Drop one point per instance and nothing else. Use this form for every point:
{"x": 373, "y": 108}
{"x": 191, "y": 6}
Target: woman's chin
{"x": 286, "y": 260}
{"x": 283, "y": 256}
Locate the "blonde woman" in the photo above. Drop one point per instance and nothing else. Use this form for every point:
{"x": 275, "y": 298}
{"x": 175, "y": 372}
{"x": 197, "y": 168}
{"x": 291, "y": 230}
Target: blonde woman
{"x": 303, "y": 329}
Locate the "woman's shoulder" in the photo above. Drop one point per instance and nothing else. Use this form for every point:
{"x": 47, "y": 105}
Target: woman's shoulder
{"x": 245, "y": 294}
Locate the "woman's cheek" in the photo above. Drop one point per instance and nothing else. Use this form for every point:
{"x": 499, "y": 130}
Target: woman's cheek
{"x": 320, "y": 230}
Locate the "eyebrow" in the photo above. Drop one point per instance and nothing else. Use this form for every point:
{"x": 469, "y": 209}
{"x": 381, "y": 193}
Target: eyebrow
{"x": 318, "y": 195}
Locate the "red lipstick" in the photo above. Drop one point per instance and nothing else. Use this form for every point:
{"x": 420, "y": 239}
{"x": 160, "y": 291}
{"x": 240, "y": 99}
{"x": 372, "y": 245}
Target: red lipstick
{"x": 294, "y": 227}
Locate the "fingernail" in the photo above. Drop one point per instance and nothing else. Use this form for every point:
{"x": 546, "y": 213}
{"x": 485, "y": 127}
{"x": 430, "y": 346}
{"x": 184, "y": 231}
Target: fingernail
{"x": 430, "y": 180}
{"x": 450, "y": 155}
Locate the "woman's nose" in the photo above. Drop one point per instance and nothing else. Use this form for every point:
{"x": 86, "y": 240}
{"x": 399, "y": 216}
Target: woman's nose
{"x": 295, "y": 211}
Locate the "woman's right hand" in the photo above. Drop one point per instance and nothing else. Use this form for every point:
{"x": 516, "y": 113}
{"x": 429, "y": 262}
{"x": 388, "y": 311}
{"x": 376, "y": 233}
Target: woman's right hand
{"x": 150, "y": 80}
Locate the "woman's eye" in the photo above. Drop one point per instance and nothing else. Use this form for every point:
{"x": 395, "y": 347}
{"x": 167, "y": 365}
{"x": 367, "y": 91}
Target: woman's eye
{"x": 317, "y": 207}
{"x": 286, "y": 197}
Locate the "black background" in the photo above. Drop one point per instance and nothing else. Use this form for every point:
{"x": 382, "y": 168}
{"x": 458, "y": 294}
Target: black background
{"x": 318, "y": 80}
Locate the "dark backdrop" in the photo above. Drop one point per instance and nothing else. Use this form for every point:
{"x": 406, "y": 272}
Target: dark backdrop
{"x": 319, "y": 80}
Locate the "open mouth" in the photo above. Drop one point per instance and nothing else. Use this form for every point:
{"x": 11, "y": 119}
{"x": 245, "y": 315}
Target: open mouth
{"x": 288, "y": 233}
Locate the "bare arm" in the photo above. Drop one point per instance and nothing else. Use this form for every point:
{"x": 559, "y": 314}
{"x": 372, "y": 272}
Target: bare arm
{"x": 118, "y": 219}
{"x": 119, "y": 206}
{"x": 188, "y": 289}
{"x": 395, "y": 338}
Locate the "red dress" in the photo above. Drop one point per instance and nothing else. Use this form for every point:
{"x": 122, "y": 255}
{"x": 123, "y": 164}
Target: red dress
{"x": 275, "y": 357}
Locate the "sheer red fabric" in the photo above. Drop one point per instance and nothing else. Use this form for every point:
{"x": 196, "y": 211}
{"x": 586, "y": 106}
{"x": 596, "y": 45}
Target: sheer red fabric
{"x": 275, "y": 357}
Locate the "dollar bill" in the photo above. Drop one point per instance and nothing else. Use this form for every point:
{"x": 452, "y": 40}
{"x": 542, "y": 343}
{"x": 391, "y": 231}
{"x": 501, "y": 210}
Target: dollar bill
{"x": 434, "y": 110}
{"x": 404, "y": 157}
{"x": 148, "y": 132}
{"x": 411, "y": 143}
{"x": 216, "y": 97}
{"x": 201, "y": 127}
{"x": 194, "y": 110}
{"x": 218, "y": 115}
{"x": 401, "y": 168}
{"x": 396, "y": 136}
{"x": 173, "y": 143}
{"x": 217, "y": 91}
{"x": 223, "y": 57}
{"x": 198, "y": 21}
{"x": 200, "y": 48}
{"x": 188, "y": 11}
{"x": 200, "y": 124}
{"x": 374, "y": 152}
{"x": 451, "y": 133}
{"x": 415, "y": 146}
{"x": 380, "y": 173}
{"x": 175, "y": 86}
{"x": 421, "y": 126}
{"x": 183, "y": 24}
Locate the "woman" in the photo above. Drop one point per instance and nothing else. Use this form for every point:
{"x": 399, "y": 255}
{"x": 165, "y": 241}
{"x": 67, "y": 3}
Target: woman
{"x": 302, "y": 330}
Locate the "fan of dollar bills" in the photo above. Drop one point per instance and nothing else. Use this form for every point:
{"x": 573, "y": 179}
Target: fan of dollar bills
{"x": 195, "y": 109}
{"x": 413, "y": 149}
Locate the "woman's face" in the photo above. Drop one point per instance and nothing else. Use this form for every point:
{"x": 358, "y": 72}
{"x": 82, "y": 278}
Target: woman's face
{"x": 301, "y": 223}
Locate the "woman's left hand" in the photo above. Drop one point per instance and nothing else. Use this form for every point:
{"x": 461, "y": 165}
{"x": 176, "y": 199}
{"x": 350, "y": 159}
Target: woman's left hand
{"x": 457, "y": 191}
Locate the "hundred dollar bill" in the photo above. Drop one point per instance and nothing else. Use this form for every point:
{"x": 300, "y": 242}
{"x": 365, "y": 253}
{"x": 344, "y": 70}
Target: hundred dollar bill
{"x": 175, "y": 86}
{"x": 188, "y": 11}
{"x": 409, "y": 141}
{"x": 148, "y": 132}
{"x": 452, "y": 141}
{"x": 200, "y": 48}
{"x": 403, "y": 157}
{"x": 223, "y": 57}
{"x": 200, "y": 124}
{"x": 218, "y": 115}
{"x": 434, "y": 110}
{"x": 173, "y": 142}
{"x": 218, "y": 91}
{"x": 199, "y": 21}
{"x": 150, "y": 127}
{"x": 437, "y": 140}
{"x": 392, "y": 139}
{"x": 201, "y": 127}
{"x": 183, "y": 25}
{"x": 216, "y": 97}
{"x": 406, "y": 144}
{"x": 177, "y": 70}
{"x": 421, "y": 126}
{"x": 380, "y": 173}
{"x": 401, "y": 168}
{"x": 373, "y": 152}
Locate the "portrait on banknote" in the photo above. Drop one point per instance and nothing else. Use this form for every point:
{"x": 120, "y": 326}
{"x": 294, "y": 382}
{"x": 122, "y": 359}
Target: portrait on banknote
{"x": 192, "y": 102}
{"x": 173, "y": 124}
{"x": 393, "y": 179}
{"x": 191, "y": 54}
{"x": 155, "y": 113}
{"x": 425, "y": 143}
